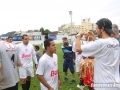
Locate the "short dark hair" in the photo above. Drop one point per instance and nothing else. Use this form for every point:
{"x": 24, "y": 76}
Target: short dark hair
{"x": 47, "y": 43}
{"x": 46, "y": 36}
{"x": 9, "y": 37}
{"x": 24, "y": 36}
{"x": 64, "y": 38}
{"x": 37, "y": 47}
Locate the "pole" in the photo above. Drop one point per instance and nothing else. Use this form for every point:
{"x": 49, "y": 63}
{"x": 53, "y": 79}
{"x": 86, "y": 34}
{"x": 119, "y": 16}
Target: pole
{"x": 70, "y": 13}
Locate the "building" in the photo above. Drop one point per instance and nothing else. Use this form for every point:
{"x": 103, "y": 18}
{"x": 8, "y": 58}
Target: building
{"x": 29, "y": 32}
{"x": 33, "y": 34}
{"x": 86, "y": 25}
{"x": 69, "y": 28}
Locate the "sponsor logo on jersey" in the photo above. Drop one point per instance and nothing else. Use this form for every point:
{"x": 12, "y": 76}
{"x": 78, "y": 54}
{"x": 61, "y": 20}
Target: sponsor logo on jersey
{"x": 54, "y": 73}
{"x": 55, "y": 63}
{"x": 26, "y": 55}
{"x": 26, "y": 50}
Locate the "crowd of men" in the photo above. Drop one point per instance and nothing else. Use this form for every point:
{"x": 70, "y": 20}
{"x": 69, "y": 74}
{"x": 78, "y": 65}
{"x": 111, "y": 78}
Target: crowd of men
{"x": 105, "y": 51}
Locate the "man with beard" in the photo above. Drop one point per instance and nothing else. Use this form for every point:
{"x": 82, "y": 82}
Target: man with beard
{"x": 106, "y": 53}
{"x": 68, "y": 59}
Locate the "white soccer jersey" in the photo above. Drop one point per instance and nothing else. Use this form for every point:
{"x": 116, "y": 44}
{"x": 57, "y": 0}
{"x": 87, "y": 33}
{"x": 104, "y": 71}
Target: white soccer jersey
{"x": 9, "y": 58}
{"x": 106, "y": 64}
{"x": 26, "y": 53}
{"x": 48, "y": 67}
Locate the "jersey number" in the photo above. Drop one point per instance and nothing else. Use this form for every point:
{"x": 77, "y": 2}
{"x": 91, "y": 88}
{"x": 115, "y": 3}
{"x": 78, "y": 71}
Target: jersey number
{"x": 12, "y": 59}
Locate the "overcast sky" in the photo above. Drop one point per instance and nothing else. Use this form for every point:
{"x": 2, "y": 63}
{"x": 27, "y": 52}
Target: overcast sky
{"x": 23, "y": 15}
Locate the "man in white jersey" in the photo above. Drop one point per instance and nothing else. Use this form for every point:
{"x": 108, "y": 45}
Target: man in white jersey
{"x": 106, "y": 53}
{"x": 47, "y": 71}
{"x": 9, "y": 59}
{"x": 26, "y": 53}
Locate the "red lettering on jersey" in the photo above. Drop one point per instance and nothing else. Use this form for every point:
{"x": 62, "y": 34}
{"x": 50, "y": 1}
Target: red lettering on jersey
{"x": 78, "y": 53}
{"x": 53, "y": 73}
{"x": 26, "y": 55}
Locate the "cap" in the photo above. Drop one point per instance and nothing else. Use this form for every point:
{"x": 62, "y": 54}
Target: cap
{"x": 107, "y": 24}
{"x": 64, "y": 38}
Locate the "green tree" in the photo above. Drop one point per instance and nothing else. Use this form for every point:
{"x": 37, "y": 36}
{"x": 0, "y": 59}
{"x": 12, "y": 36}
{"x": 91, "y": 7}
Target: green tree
{"x": 42, "y": 30}
{"x": 9, "y": 33}
{"x": 46, "y": 32}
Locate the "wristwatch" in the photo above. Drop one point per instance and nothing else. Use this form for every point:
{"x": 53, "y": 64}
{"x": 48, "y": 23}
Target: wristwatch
{"x": 78, "y": 35}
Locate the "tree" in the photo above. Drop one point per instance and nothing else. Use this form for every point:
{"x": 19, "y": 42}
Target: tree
{"x": 42, "y": 30}
{"x": 9, "y": 33}
{"x": 46, "y": 32}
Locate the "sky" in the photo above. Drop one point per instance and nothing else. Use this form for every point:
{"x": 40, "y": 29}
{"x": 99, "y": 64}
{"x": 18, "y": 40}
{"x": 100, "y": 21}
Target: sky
{"x": 16, "y": 15}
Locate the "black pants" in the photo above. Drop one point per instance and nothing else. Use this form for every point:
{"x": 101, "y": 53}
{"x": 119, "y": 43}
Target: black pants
{"x": 12, "y": 88}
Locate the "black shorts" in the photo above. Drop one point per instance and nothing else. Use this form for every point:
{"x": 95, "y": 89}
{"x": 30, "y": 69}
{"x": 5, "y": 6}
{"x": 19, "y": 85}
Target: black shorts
{"x": 68, "y": 64}
{"x": 12, "y": 88}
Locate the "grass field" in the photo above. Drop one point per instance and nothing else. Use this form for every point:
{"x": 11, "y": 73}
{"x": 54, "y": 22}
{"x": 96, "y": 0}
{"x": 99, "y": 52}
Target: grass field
{"x": 35, "y": 84}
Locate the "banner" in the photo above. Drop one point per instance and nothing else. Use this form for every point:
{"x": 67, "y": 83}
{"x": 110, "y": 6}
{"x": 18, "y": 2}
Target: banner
{"x": 36, "y": 37}
{"x": 19, "y": 38}
{"x": 4, "y": 37}
{"x": 14, "y": 38}
{"x": 52, "y": 37}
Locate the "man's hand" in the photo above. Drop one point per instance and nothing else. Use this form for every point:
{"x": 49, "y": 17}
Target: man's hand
{"x": 19, "y": 64}
{"x": 91, "y": 36}
{"x": 83, "y": 57}
{"x": 91, "y": 57}
{"x": 50, "y": 88}
{"x": 59, "y": 84}
{"x": 36, "y": 66}
{"x": 81, "y": 34}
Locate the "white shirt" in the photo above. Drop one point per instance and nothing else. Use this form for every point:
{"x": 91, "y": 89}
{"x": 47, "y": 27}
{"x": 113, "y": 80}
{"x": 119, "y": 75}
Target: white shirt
{"x": 48, "y": 67}
{"x": 26, "y": 53}
{"x": 106, "y": 65}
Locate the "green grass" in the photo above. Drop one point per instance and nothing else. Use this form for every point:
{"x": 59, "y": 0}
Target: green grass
{"x": 35, "y": 84}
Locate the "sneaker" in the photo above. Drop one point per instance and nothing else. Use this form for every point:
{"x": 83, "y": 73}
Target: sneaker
{"x": 65, "y": 79}
{"x": 80, "y": 87}
{"x": 72, "y": 81}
